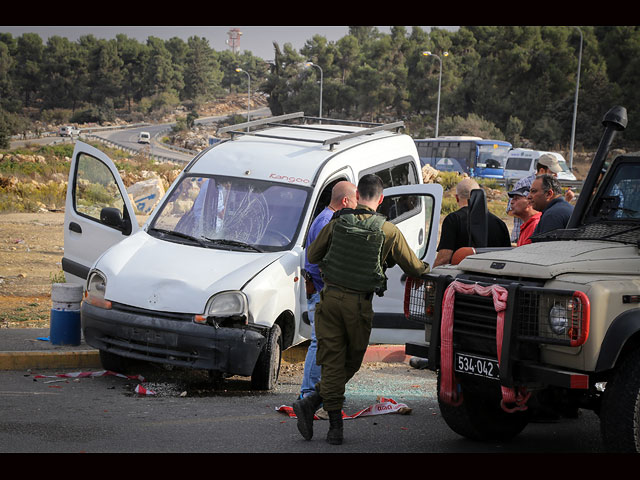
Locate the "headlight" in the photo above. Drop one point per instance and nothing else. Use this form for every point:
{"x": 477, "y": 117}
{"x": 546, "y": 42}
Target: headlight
{"x": 96, "y": 287}
{"x": 558, "y": 320}
{"x": 225, "y": 305}
{"x": 419, "y": 299}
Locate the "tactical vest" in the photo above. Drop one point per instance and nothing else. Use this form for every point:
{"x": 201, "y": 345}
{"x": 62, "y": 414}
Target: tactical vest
{"x": 353, "y": 259}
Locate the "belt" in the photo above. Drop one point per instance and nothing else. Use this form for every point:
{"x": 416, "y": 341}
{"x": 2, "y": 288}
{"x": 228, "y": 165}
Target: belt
{"x": 366, "y": 295}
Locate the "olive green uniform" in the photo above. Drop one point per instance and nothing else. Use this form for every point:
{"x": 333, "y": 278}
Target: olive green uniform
{"x": 343, "y": 317}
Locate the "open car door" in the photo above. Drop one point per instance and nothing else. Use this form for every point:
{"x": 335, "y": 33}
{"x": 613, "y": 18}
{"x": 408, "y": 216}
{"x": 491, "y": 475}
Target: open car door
{"x": 98, "y": 212}
{"x": 415, "y": 210}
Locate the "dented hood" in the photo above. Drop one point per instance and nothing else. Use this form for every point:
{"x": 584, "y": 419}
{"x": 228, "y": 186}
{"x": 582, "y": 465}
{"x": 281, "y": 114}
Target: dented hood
{"x": 547, "y": 260}
{"x": 145, "y": 272}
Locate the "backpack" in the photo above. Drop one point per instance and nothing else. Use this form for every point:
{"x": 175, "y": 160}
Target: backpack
{"x": 353, "y": 259}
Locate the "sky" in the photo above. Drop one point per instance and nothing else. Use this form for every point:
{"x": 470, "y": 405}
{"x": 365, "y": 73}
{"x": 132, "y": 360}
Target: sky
{"x": 257, "y": 39}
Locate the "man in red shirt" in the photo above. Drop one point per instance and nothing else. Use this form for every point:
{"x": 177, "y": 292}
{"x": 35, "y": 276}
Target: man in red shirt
{"x": 524, "y": 210}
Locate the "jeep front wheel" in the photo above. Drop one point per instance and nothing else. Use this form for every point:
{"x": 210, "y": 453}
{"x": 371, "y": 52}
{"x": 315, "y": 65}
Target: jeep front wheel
{"x": 480, "y": 417}
{"x": 620, "y": 409}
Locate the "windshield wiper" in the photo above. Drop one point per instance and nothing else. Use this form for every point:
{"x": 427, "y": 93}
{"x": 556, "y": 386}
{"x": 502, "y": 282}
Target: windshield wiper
{"x": 181, "y": 235}
{"x": 233, "y": 243}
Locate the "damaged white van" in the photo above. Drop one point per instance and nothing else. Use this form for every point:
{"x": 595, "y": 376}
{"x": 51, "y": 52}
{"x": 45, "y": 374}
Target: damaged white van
{"x": 214, "y": 279}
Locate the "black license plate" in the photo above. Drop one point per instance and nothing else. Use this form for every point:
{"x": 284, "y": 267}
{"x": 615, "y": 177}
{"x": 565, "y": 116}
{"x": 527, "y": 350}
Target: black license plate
{"x": 475, "y": 365}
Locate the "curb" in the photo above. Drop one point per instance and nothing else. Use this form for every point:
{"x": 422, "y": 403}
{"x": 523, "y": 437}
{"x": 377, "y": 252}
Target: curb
{"x": 91, "y": 358}
{"x": 26, "y": 360}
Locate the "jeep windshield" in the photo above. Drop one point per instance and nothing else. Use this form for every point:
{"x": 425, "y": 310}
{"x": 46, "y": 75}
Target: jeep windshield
{"x": 614, "y": 213}
{"x": 231, "y": 213}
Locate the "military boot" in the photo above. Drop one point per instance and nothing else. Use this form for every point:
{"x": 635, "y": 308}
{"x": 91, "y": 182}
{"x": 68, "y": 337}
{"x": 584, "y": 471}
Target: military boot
{"x": 334, "y": 435}
{"x": 305, "y": 409}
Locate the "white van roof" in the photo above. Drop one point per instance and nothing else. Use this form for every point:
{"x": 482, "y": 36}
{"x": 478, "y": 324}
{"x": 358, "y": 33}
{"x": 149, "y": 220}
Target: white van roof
{"x": 288, "y": 153}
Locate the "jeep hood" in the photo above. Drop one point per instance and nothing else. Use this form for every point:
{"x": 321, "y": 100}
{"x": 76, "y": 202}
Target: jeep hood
{"x": 546, "y": 260}
{"x": 145, "y": 272}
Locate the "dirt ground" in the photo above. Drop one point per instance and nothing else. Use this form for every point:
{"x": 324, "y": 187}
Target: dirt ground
{"x": 31, "y": 250}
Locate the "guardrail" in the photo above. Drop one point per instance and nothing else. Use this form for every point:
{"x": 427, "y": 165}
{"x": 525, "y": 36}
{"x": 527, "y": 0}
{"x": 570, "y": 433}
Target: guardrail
{"x": 160, "y": 158}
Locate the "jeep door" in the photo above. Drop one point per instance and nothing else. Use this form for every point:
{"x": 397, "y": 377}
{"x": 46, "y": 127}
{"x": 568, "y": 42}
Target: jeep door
{"x": 415, "y": 210}
{"x": 98, "y": 212}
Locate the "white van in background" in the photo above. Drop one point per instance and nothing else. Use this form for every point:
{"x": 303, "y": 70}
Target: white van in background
{"x": 521, "y": 162}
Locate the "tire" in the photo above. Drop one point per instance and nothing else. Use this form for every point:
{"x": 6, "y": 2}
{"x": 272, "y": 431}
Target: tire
{"x": 114, "y": 363}
{"x": 620, "y": 409}
{"x": 479, "y": 417}
{"x": 265, "y": 373}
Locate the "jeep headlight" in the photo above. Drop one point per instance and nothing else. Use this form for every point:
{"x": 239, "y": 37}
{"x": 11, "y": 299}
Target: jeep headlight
{"x": 96, "y": 288}
{"x": 225, "y": 305}
{"x": 558, "y": 319}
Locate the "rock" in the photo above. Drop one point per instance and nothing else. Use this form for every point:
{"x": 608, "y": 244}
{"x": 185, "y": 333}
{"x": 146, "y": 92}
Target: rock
{"x": 429, "y": 174}
{"x": 146, "y": 194}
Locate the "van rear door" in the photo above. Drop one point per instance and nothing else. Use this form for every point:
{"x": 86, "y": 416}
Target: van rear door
{"x": 415, "y": 210}
{"x": 98, "y": 212}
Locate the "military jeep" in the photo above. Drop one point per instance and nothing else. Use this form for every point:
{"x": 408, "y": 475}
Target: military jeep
{"x": 550, "y": 327}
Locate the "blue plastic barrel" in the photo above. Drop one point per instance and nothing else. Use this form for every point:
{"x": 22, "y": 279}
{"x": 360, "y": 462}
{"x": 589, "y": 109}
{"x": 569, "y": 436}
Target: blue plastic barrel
{"x": 65, "y": 314}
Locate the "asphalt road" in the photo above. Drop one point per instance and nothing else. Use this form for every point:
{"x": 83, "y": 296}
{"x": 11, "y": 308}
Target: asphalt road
{"x": 128, "y": 138}
{"x": 188, "y": 414}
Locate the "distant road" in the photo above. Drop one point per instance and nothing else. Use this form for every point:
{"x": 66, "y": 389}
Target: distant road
{"x": 127, "y": 138}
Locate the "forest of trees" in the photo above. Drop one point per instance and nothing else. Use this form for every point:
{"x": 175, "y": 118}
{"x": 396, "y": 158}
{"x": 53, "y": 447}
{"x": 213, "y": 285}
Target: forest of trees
{"x": 504, "y": 82}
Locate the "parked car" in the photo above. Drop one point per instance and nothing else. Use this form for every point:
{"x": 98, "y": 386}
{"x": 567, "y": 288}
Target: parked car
{"x": 521, "y": 162}
{"x": 214, "y": 279}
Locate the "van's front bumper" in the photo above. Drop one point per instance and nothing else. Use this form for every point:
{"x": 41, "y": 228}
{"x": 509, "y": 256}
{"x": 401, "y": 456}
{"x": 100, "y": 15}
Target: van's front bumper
{"x": 171, "y": 339}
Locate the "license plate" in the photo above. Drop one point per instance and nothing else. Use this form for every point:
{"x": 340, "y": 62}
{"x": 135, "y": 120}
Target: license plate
{"x": 474, "y": 365}
{"x": 142, "y": 335}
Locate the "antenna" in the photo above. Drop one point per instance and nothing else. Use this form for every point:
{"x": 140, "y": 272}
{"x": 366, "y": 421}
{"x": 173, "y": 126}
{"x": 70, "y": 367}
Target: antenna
{"x": 234, "y": 39}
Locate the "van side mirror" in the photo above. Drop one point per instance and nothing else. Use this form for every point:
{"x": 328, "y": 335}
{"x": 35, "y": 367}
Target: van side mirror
{"x": 112, "y": 217}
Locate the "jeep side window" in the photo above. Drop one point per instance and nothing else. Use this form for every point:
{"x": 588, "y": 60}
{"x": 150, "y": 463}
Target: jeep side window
{"x": 95, "y": 188}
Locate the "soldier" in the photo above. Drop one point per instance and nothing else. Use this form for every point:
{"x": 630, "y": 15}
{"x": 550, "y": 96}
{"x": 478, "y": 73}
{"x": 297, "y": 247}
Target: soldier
{"x": 353, "y": 251}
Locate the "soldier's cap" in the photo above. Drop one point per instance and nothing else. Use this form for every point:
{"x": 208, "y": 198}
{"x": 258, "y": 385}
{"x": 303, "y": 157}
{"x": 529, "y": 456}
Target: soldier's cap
{"x": 522, "y": 192}
{"x": 551, "y": 162}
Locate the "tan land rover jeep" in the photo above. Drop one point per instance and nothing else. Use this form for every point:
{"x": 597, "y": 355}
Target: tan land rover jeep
{"x": 552, "y": 326}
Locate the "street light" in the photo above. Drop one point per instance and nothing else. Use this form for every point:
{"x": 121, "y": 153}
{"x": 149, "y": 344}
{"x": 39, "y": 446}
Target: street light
{"x": 444, "y": 54}
{"x": 311, "y": 64}
{"x": 575, "y": 103}
{"x": 238, "y": 69}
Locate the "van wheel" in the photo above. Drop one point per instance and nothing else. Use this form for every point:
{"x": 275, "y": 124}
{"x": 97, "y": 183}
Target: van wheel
{"x": 265, "y": 373}
{"x": 113, "y": 363}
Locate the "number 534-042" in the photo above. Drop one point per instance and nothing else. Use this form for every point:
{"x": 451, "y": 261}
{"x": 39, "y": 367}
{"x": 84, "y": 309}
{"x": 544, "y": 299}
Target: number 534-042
{"x": 484, "y": 367}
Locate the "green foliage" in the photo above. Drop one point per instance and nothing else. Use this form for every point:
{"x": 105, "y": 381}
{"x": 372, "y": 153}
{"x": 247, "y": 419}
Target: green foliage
{"x": 503, "y": 82}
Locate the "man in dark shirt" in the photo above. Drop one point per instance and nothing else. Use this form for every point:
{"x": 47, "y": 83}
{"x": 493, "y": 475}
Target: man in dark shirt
{"x": 546, "y": 196}
{"x": 455, "y": 234}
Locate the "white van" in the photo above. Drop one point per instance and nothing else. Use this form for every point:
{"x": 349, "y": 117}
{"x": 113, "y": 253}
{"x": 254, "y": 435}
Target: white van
{"x": 214, "y": 279}
{"x": 68, "y": 131}
{"x": 521, "y": 162}
{"x": 144, "y": 137}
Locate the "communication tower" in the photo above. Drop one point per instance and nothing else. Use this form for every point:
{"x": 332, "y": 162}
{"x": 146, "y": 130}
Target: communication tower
{"x": 234, "y": 39}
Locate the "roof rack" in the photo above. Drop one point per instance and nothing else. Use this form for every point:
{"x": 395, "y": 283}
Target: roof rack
{"x": 331, "y": 142}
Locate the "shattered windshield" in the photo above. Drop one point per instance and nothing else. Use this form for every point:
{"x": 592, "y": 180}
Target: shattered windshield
{"x": 230, "y": 212}
{"x": 614, "y": 215}
{"x": 621, "y": 197}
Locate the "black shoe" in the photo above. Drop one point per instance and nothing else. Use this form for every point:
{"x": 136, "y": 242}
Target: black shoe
{"x": 305, "y": 410}
{"x": 335, "y": 433}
